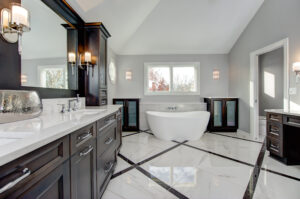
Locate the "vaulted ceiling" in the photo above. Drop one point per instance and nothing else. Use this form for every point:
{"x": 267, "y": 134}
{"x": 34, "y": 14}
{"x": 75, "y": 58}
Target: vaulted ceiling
{"x": 170, "y": 26}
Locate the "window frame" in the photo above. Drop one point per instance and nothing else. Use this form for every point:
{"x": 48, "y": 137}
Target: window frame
{"x": 171, "y": 65}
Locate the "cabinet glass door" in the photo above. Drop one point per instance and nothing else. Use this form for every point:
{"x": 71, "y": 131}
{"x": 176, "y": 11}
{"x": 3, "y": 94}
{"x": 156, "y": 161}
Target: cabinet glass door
{"x": 121, "y": 102}
{"x": 230, "y": 107}
{"x": 132, "y": 113}
{"x": 218, "y": 113}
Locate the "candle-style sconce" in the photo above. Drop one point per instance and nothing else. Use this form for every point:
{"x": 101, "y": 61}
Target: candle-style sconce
{"x": 87, "y": 62}
{"x": 72, "y": 60}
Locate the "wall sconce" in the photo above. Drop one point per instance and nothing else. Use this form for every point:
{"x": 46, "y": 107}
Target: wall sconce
{"x": 128, "y": 75}
{"x": 87, "y": 61}
{"x": 216, "y": 74}
{"x": 296, "y": 69}
{"x": 13, "y": 23}
{"x": 72, "y": 60}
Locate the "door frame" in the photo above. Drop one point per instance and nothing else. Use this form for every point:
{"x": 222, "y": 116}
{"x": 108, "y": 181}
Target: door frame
{"x": 254, "y": 82}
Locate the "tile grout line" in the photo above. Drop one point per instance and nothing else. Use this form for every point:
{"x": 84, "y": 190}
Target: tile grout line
{"x": 236, "y": 137}
{"x": 249, "y": 192}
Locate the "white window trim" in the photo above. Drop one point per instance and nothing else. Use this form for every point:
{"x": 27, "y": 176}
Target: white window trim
{"x": 171, "y": 65}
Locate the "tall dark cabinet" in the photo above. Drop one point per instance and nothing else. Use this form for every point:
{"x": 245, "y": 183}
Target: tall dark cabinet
{"x": 94, "y": 86}
{"x": 223, "y": 114}
{"x": 130, "y": 113}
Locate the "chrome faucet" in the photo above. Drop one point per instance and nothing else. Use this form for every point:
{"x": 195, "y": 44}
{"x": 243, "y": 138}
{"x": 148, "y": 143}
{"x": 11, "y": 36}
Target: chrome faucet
{"x": 172, "y": 108}
{"x": 75, "y": 105}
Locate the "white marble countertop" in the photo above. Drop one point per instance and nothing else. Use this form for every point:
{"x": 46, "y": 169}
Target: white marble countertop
{"x": 23, "y": 137}
{"x": 284, "y": 112}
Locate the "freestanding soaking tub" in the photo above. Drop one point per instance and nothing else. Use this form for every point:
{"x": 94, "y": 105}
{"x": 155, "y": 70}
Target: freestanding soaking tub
{"x": 179, "y": 126}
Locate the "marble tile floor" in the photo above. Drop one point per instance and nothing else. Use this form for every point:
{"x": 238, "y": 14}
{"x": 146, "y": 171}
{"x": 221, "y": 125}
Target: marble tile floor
{"x": 214, "y": 167}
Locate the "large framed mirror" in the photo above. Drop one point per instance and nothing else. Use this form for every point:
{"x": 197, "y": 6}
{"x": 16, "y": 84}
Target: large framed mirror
{"x": 45, "y": 49}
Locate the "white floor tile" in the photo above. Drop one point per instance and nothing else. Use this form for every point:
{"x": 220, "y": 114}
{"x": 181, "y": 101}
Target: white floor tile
{"x": 274, "y": 165}
{"x": 272, "y": 186}
{"x": 243, "y": 135}
{"x": 142, "y": 146}
{"x": 198, "y": 175}
{"x": 135, "y": 185}
{"x": 234, "y": 148}
{"x": 121, "y": 165}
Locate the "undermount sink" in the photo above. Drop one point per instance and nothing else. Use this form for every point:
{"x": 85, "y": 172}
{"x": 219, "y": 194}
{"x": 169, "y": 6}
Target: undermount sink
{"x": 86, "y": 112}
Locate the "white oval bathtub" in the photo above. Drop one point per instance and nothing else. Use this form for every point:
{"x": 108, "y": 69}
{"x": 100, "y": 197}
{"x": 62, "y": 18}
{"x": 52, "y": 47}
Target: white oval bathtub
{"x": 179, "y": 126}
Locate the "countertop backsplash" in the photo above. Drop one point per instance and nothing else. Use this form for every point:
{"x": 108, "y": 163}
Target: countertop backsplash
{"x": 52, "y": 105}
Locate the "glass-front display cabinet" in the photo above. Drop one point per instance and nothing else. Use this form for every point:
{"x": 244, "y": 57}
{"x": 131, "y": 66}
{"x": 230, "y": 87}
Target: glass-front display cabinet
{"x": 223, "y": 114}
{"x": 130, "y": 113}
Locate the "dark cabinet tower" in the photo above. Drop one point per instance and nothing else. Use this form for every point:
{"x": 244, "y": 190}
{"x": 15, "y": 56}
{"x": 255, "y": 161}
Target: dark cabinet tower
{"x": 223, "y": 114}
{"x": 130, "y": 113}
{"x": 94, "y": 81}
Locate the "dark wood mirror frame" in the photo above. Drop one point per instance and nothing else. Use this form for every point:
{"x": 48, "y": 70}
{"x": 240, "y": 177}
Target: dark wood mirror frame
{"x": 10, "y": 60}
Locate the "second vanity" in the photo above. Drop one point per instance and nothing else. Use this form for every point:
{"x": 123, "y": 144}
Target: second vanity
{"x": 71, "y": 155}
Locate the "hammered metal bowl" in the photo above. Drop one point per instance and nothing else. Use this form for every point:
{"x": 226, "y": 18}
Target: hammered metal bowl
{"x": 16, "y": 105}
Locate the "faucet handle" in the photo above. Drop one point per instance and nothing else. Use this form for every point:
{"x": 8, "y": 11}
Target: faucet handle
{"x": 63, "y": 108}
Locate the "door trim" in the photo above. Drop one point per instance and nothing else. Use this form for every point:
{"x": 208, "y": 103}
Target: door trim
{"x": 254, "y": 82}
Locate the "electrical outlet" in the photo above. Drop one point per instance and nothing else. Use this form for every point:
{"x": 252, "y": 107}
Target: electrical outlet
{"x": 293, "y": 91}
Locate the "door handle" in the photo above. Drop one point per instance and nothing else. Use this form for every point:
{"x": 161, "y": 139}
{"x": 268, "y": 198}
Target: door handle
{"x": 26, "y": 173}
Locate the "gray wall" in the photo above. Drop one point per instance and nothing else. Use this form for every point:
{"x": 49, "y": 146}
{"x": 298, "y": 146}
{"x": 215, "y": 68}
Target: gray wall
{"x": 276, "y": 20}
{"x": 135, "y": 87}
{"x": 272, "y": 63}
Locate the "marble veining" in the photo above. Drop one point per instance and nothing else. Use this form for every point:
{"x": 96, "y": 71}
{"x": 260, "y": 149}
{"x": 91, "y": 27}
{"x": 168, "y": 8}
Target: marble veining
{"x": 50, "y": 126}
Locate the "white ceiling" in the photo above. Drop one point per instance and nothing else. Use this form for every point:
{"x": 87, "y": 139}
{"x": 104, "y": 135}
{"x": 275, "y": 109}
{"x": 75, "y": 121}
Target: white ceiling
{"x": 170, "y": 26}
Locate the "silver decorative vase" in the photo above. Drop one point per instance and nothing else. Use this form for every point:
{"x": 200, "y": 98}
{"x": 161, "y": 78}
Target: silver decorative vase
{"x": 16, "y": 105}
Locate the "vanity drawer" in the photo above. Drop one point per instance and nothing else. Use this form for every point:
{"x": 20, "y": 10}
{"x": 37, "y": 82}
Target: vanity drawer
{"x": 274, "y": 130}
{"x": 105, "y": 122}
{"x": 275, "y": 146}
{"x": 105, "y": 167}
{"x": 106, "y": 139}
{"x": 291, "y": 120}
{"x": 80, "y": 137}
{"x": 274, "y": 117}
{"x": 24, "y": 172}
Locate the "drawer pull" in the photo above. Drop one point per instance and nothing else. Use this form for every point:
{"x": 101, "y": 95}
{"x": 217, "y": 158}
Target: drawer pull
{"x": 84, "y": 136}
{"x": 109, "y": 140}
{"x": 26, "y": 173}
{"x": 107, "y": 123}
{"x": 273, "y": 133}
{"x": 108, "y": 166}
{"x": 86, "y": 151}
{"x": 274, "y": 149}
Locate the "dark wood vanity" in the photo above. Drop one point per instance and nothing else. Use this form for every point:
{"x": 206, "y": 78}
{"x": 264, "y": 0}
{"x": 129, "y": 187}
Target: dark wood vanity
{"x": 78, "y": 165}
{"x": 283, "y": 137}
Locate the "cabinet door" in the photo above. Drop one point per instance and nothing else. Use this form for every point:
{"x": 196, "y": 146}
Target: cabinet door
{"x": 102, "y": 68}
{"x": 83, "y": 172}
{"x": 56, "y": 185}
{"x": 231, "y": 116}
{"x": 133, "y": 114}
{"x": 217, "y": 113}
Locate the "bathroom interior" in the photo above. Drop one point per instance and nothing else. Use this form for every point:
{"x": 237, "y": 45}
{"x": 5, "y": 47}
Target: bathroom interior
{"x": 149, "y": 99}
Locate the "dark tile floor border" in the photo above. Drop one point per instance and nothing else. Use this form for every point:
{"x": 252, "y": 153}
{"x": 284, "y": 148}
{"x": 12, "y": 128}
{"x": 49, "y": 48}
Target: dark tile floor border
{"x": 131, "y": 134}
{"x": 149, "y": 175}
{"x": 162, "y": 184}
{"x": 255, "y": 173}
{"x": 219, "y": 155}
{"x": 249, "y": 192}
{"x": 235, "y": 137}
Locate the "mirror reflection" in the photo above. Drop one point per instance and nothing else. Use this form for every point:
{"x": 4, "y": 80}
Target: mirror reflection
{"x": 44, "y": 55}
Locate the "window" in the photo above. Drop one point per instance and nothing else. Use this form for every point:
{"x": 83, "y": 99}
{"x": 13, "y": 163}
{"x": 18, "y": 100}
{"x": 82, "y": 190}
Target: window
{"x": 172, "y": 79}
